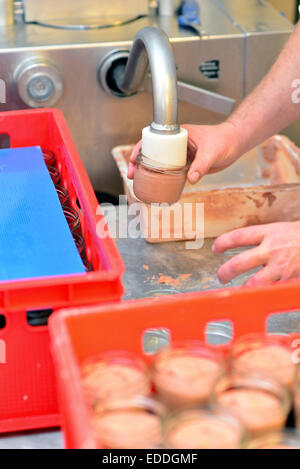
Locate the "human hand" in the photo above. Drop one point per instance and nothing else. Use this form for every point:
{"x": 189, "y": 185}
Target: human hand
{"x": 217, "y": 148}
{"x": 276, "y": 249}
{"x": 213, "y": 148}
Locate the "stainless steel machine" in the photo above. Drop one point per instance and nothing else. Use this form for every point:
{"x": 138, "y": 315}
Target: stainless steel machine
{"x": 68, "y": 53}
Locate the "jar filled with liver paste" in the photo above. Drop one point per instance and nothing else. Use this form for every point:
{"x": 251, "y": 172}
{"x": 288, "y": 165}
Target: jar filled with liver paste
{"x": 267, "y": 353}
{"x": 261, "y": 402}
{"x": 134, "y": 423}
{"x": 113, "y": 375}
{"x": 184, "y": 374}
{"x": 204, "y": 428}
{"x": 284, "y": 439}
{"x": 155, "y": 182}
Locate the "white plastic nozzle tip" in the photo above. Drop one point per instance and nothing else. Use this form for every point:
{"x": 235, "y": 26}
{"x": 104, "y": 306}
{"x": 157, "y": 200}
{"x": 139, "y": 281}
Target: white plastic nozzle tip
{"x": 164, "y": 148}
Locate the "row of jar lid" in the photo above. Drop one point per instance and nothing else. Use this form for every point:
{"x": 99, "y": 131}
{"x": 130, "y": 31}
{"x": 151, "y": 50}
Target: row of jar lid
{"x": 70, "y": 213}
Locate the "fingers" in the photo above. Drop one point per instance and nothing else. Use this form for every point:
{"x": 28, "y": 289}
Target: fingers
{"x": 130, "y": 173}
{"x": 263, "y": 277}
{"x": 216, "y": 148}
{"x": 202, "y": 158}
{"x": 241, "y": 263}
{"x": 199, "y": 165}
{"x": 191, "y": 150}
{"x": 133, "y": 156}
{"x": 135, "y": 152}
{"x": 205, "y": 166}
{"x": 248, "y": 236}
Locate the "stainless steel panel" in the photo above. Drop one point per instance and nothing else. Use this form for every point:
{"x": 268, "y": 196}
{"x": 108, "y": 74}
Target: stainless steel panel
{"x": 228, "y": 50}
{"x": 6, "y": 12}
{"x": 216, "y": 25}
{"x": 47, "y": 10}
{"x": 259, "y": 60}
{"x": 254, "y": 16}
{"x": 267, "y": 32}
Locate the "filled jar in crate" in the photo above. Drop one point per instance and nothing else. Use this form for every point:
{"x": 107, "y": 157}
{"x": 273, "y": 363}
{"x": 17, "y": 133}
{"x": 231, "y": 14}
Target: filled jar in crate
{"x": 284, "y": 439}
{"x": 114, "y": 375}
{"x": 267, "y": 353}
{"x": 129, "y": 423}
{"x": 204, "y": 428}
{"x": 261, "y": 402}
{"x": 183, "y": 375}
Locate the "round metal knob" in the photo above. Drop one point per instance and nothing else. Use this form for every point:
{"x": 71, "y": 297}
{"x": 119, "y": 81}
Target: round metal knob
{"x": 41, "y": 88}
{"x": 39, "y": 84}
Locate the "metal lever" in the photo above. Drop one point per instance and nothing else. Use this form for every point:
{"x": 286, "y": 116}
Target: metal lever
{"x": 204, "y": 98}
{"x": 200, "y": 97}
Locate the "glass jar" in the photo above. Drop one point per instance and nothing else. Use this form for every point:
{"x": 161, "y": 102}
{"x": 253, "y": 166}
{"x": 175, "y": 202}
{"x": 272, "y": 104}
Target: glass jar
{"x": 184, "y": 374}
{"x": 87, "y": 265}
{"x": 261, "y": 402}
{"x": 80, "y": 244}
{"x": 63, "y": 195}
{"x": 73, "y": 219}
{"x": 204, "y": 428}
{"x": 134, "y": 423}
{"x": 55, "y": 175}
{"x": 114, "y": 375}
{"x": 155, "y": 339}
{"x": 218, "y": 333}
{"x": 270, "y": 354}
{"x": 297, "y": 396}
{"x": 49, "y": 157}
{"x": 278, "y": 440}
{"x": 156, "y": 182}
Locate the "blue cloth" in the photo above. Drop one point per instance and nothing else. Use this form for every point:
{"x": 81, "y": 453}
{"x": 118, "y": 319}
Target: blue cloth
{"x": 189, "y": 13}
{"x": 35, "y": 239}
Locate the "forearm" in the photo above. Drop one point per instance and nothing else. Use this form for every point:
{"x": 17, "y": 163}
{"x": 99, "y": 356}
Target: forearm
{"x": 269, "y": 108}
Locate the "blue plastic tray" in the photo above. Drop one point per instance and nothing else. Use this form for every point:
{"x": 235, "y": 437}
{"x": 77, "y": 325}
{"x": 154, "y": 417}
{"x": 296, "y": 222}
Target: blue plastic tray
{"x": 35, "y": 239}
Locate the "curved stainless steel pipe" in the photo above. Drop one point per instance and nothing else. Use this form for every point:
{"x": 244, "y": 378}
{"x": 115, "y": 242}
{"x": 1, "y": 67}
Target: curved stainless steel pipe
{"x": 151, "y": 45}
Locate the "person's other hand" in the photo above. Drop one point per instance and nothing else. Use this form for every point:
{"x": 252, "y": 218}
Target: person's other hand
{"x": 276, "y": 249}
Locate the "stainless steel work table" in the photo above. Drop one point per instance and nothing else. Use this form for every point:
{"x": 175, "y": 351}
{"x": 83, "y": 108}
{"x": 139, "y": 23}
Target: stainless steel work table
{"x": 167, "y": 259}
{"x": 173, "y": 259}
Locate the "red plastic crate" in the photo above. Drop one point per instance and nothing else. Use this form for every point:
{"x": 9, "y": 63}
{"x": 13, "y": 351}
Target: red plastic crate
{"x": 27, "y": 383}
{"x": 121, "y": 327}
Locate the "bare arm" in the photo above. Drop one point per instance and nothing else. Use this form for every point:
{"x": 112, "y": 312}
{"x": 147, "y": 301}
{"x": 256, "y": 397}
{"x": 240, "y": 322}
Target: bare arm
{"x": 267, "y": 110}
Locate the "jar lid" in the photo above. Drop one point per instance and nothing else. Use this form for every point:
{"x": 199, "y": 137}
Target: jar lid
{"x": 156, "y": 166}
